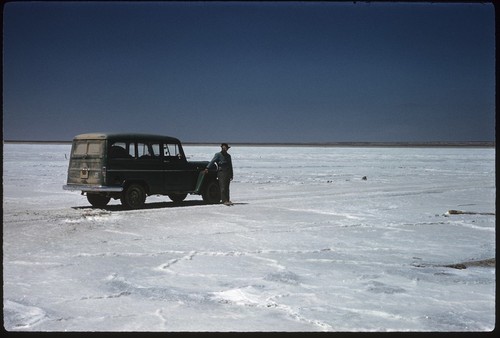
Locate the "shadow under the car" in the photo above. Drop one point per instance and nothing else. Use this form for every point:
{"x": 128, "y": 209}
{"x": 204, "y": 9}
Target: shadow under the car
{"x": 154, "y": 205}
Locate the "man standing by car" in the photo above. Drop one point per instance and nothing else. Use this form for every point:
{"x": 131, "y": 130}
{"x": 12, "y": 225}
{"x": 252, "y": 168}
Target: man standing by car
{"x": 224, "y": 172}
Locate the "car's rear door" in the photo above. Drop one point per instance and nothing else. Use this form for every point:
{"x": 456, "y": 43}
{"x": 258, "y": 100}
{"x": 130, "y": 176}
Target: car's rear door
{"x": 149, "y": 165}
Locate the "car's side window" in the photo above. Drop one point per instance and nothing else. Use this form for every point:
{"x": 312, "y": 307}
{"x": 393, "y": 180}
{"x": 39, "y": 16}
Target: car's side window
{"x": 172, "y": 151}
{"x": 156, "y": 149}
{"x": 121, "y": 150}
{"x": 148, "y": 150}
{"x": 131, "y": 149}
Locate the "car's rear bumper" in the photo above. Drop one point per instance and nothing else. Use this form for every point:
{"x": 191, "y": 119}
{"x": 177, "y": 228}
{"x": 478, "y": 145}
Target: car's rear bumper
{"x": 91, "y": 188}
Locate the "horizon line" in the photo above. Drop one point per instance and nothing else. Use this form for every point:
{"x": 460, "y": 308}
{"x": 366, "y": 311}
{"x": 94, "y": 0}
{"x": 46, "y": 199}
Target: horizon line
{"x": 317, "y": 144}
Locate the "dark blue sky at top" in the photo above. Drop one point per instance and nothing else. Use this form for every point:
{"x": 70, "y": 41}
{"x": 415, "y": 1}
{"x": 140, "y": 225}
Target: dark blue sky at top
{"x": 250, "y": 72}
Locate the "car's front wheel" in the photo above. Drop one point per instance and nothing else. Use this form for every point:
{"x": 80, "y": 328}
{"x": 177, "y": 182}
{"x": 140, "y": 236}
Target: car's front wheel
{"x": 133, "y": 197}
{"x": 97, "y": 200}
{"x": 211, "y": 192}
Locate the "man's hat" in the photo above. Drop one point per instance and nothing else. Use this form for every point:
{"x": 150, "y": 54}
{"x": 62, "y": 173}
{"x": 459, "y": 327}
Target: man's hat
{"x": 225, "y": 144}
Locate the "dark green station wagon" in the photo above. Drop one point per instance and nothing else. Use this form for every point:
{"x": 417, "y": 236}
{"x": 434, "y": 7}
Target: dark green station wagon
{"x": 131, "y": 167}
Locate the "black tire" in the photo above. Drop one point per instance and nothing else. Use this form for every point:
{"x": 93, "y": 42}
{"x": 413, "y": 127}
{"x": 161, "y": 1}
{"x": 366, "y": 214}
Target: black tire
{"x": 177, "y": 198}
{"x": 133, "y": 197}
{"x": 97, "y": 200}
{"x": 211, "y": 192}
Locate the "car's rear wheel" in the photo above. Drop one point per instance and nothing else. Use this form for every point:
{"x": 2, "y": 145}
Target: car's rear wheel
{"x": 97, "y": 200}
{"x": 176, "y": 198}
{"x": 133, "y": 197}
{"x": 211, "y": 192}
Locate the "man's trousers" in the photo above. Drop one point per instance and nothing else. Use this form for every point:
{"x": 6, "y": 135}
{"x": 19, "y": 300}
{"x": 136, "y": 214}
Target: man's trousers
{"x": 224, "y": 180}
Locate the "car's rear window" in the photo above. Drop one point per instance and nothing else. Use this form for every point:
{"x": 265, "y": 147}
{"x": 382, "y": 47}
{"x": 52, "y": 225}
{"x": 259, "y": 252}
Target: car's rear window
{"x": 88, "y": 148}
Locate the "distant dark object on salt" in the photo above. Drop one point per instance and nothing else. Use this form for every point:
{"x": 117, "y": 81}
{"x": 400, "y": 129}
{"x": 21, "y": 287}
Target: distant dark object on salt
{"x": 460, "y": 212}
{"x": 364, "y": 178}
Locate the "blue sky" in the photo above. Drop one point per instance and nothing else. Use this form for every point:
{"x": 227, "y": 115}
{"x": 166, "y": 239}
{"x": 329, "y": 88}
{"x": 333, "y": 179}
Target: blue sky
{"x": 250, "y": 72}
